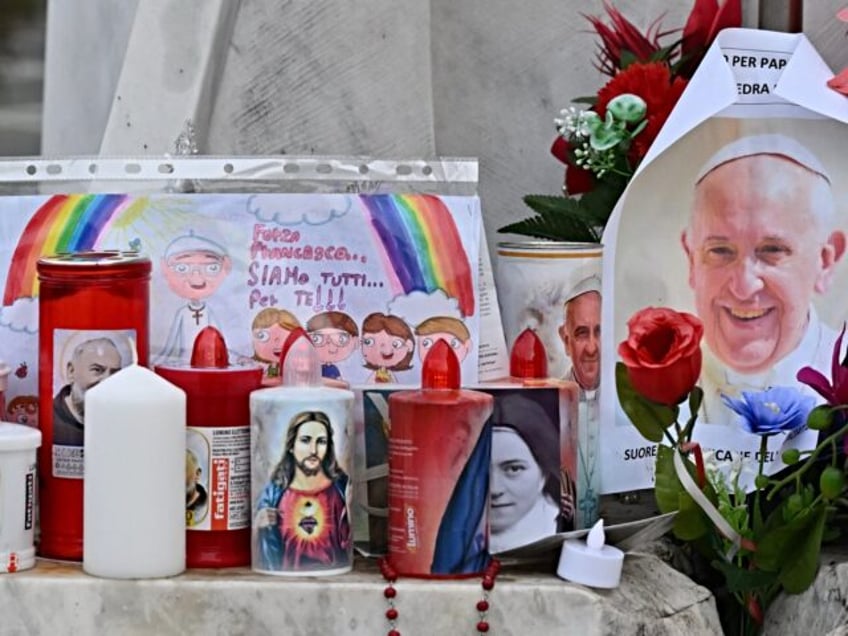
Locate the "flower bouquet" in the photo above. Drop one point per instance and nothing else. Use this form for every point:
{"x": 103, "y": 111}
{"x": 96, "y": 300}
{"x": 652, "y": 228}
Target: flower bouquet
{"x": 763, "y": 542}
{"x": 603, "y": 144}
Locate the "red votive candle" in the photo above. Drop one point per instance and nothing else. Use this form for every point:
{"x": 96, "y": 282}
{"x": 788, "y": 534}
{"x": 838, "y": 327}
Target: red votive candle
{"x": 93, "y": 318}
{"x": 217, "y": 452}
{"x": 439, "y": 454}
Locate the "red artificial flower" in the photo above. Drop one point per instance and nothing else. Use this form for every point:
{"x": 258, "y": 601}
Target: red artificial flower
{"x": 839, "y": 83}
{"x": 662, "y": 353}
{"x": 653, "y": 83}
{"x": 577, "y": 180}
{"x": 706, "y": 19}
{"x": 621, "y": 36}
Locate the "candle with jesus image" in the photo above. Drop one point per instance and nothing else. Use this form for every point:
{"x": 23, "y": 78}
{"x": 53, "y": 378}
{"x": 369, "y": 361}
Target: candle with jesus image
{"x": 301, "y": 458}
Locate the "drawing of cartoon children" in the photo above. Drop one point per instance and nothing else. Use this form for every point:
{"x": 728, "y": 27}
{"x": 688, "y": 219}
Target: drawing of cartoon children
{"x": 388, "y": 345}
{"x": 334, "y": 335}
{"x": 270, "y": 330}
{"x": 194, "y": 268}
{"x": 451, "y": 330}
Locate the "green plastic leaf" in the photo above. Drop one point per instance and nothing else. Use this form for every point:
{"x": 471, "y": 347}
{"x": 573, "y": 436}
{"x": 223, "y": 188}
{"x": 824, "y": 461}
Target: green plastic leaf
{"x": 690, "y": 522}
{"x": 626, "y": 58}
{"x": 696, "y": 397}
{"x": 546, "y": 204}
{"x": 740, "y": 580}
{"x": 785, "y": 546}
{"x": 628, "y": 107}
{"x": 667, "y": 487}
{"x": 598, "y": 203}
{"x": 588, "y": 99}
{"x": 671, "y": 496}
{"x": 606, "y": 137}
{"x": 649, "y": 418}
{"x": 642, "y": 125}
{"x": 802, "y": 562}
{"x": 557, "y": 219}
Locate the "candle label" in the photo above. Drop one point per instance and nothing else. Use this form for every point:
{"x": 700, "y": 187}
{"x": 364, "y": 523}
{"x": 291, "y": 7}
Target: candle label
{"x": 218, "y": 478}
{"x": 81, "y": 359}
{"x": 301, "y": 485}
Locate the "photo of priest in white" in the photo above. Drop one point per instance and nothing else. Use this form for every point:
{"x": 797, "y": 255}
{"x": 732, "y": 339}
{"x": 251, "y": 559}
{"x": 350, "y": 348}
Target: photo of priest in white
{"x": 761, "y": 243}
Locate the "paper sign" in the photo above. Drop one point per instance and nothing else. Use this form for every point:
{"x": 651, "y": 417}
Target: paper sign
{"x": 746, "y": 194}
{"x": 374, "y": 278}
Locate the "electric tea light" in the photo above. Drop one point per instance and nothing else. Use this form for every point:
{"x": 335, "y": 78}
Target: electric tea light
{"x": 591, "y": 562}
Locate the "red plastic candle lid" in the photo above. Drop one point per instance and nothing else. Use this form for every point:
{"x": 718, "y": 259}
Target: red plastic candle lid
{"x": 210, "y": 350}
{"x": 528, "y": 358}
{"x": 441, "y": 368}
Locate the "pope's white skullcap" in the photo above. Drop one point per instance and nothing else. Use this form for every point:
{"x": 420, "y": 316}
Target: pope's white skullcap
{"x": 589, "y": 284}
{"x": 779, "y": 145}
{"x": 192, "y": 243}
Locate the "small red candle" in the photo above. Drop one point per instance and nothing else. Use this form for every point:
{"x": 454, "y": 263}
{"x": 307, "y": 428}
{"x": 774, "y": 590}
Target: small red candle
{"x": 439, "y": 453}
{"x": 217, "y": 452}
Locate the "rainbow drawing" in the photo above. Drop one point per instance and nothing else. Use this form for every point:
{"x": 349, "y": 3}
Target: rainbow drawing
{"x": 422, "y": 249}
{"x": 64, "y": 223}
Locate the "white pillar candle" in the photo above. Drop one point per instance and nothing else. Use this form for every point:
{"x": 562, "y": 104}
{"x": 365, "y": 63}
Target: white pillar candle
{"x": 134, "y": 492}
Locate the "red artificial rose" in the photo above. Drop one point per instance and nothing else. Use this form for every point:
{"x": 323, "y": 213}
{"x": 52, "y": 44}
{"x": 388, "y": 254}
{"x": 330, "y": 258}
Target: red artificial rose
{"x": 577, "y": 180}
{"x": 662, "y": 353}
{"x": 653, "y": 83}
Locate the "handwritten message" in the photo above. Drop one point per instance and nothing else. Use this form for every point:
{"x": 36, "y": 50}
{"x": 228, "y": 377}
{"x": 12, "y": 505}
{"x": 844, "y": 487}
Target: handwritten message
{"x": 280, "y": 259}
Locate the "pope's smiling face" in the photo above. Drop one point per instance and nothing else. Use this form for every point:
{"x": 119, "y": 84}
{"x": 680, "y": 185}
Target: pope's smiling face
{"x": 757, "y": 252}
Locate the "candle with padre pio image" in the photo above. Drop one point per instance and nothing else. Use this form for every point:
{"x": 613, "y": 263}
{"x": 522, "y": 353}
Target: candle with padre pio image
{"x": 301, "y": 451}
{"x": 91, "y": 307}
{"x": 439, "y": 453}
{"x": 217, "y": 461}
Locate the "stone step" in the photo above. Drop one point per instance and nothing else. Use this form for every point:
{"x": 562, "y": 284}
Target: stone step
{"x": 58, "y": 598}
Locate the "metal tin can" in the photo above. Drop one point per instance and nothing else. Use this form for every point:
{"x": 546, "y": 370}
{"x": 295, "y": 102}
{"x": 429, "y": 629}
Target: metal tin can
{"x": 93, "y": 320}
{"x": 535, "y": 279}
{"x": 555, "y": 289}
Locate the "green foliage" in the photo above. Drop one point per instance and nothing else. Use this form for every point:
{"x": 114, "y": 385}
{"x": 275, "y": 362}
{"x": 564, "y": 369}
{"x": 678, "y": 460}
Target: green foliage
{"x": 791, "y": 549}
{"x": 740, "y": 580}
{"x": 650, "y": 418}
{"x": 557, "y": 219}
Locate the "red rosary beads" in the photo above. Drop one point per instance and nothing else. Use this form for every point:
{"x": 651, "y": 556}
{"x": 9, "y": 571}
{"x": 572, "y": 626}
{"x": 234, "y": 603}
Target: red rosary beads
{"x": 390, "y": 593}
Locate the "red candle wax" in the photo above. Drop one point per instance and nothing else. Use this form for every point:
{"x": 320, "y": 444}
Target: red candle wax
{"x": 439, "y": 454}
{"x": 218, "y": 452}
{"x": 91, "y": 306}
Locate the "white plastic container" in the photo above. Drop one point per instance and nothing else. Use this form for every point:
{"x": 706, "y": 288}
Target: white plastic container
{"x": 17, "y": 495}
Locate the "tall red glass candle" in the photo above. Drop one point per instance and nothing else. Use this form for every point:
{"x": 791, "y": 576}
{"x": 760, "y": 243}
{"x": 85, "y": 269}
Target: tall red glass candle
{"x": 217, "y": 452}
{"x": 439, "y": 454}
{"x": 93, "y": 318}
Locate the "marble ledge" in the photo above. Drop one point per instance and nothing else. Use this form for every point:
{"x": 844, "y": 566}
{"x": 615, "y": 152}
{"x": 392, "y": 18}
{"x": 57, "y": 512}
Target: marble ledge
{"x": 58, "y": 598}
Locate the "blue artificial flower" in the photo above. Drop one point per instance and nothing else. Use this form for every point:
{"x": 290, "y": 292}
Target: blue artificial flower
{"x": 779, "y": 409}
